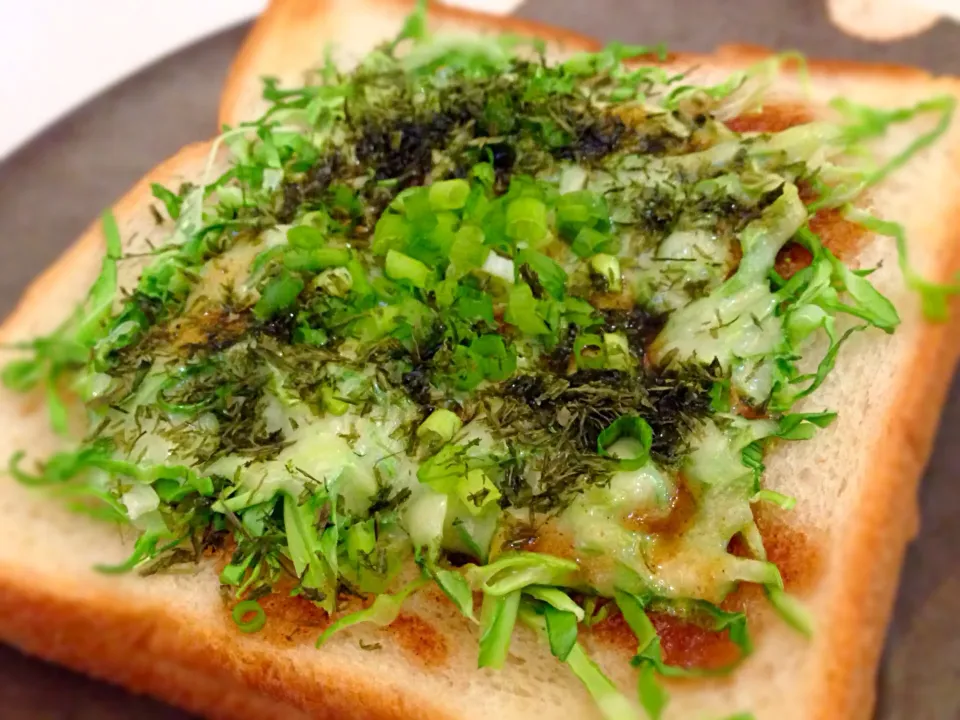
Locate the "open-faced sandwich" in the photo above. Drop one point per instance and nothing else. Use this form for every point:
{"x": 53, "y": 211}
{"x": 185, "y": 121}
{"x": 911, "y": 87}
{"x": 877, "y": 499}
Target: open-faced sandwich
{"x": 476, "y": 371}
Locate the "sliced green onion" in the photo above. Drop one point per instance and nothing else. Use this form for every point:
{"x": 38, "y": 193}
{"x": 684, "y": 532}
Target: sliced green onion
{"x": 278, "y": 295}
{"x": 305, "y": 237}
{"x": 392, "y": 232}
{"x": 527, "y": 221}
{"x": 233, "y": 574}
{"x": 549, "y": 274}
{"x": 468, "y": 251}
{"x": 590, "y": 352}
{"x": 617, "y": 349}
{"x": 522, "y": 311}
{"x": 581, "y": 209}
{"x": 299, "y": 520}
{"x": 444, "y": 470}
{"x": 494, "y": 358}
{"x": 720, "y": 396}
{"x": 476, "y": 491}
{"x": 403, "y": 267}
{"x": 608, "y": 268}
{"x": 335, "y": 281}
{"x": 469, "y": 541}
{"x": 315, "y": 259}
{"x": 628, "y": 427}
{"x": 484, "y": 174}
{"x": 439, "y": 428}
{"x": 249, "y": 625}
{"x": 589, "y": 242}
{"x": 449, "y": 194}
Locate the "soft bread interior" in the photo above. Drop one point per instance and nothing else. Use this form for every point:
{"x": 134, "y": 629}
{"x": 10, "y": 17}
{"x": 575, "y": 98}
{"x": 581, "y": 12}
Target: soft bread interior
{"x": 169, "y": 635}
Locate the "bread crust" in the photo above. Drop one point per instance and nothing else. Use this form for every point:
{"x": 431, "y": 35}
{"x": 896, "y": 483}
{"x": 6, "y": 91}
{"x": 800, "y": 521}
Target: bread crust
{"x": 257, "y": 52}
{"x": 211, "y": 669}
{"x": 257, "y": 55}
{"x": 91, "y": 241}
{"x": 218, "y": 673}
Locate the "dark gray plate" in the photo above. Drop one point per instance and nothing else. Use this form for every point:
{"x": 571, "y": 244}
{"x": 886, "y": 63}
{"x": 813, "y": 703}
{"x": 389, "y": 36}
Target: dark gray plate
{"x": 55, "y": 186}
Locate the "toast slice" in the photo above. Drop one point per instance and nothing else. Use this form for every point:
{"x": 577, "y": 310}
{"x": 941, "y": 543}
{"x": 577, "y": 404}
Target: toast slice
{"x": 170, "y": 635}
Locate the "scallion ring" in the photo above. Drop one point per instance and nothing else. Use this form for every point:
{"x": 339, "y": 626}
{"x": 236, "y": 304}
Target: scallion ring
{"x": 244, "y": 608}
{"x": 634, "y": 429}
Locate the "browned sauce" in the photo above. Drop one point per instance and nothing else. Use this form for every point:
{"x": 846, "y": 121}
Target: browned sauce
{"x": 796, "y": 551}
{"x": 690, "y": 646}
{"x": 772, "y": 118}
{"x": 748, "y": 412}
{"x": 685, "y": 644}
{"x": 295, "y": 620}
{"x": 551, "y": 541}
{"x": 843, "y": 238}
{"x": 612, "y": 301}
{"x": 208, "y": 328}
{"x": 289, "y": 619}
{"x": 840, "y": 236}
{"x": 673, "y": 521}
{"x": 614, "y": 633}
{"x": 419, "y": 639}
{"x": 792, "y": 258}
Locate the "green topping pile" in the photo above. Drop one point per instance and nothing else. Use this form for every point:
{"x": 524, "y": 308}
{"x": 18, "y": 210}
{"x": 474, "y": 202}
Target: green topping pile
{"x": 458, "y": 301}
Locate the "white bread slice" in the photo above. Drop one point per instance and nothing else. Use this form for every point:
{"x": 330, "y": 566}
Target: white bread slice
{"x": 169, "y": 635}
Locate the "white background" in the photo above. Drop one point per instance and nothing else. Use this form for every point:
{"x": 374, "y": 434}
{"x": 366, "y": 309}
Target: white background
{"x": 54, "y": 54}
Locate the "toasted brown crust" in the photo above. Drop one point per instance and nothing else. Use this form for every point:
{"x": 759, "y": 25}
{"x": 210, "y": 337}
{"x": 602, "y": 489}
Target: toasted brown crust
{"x": 256, "y": 54}
{"x": 871, "y": 553}
{"x": 215, "y": 672}
{"x": 92, "y": 239}
{"x": 209, "y": 670}
{"x": 108, "y": 645}
{"x": 744, "y": 52}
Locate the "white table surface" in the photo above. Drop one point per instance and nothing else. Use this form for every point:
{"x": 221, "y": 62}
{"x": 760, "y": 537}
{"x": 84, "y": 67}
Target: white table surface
{"x": 55, "y": 54}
